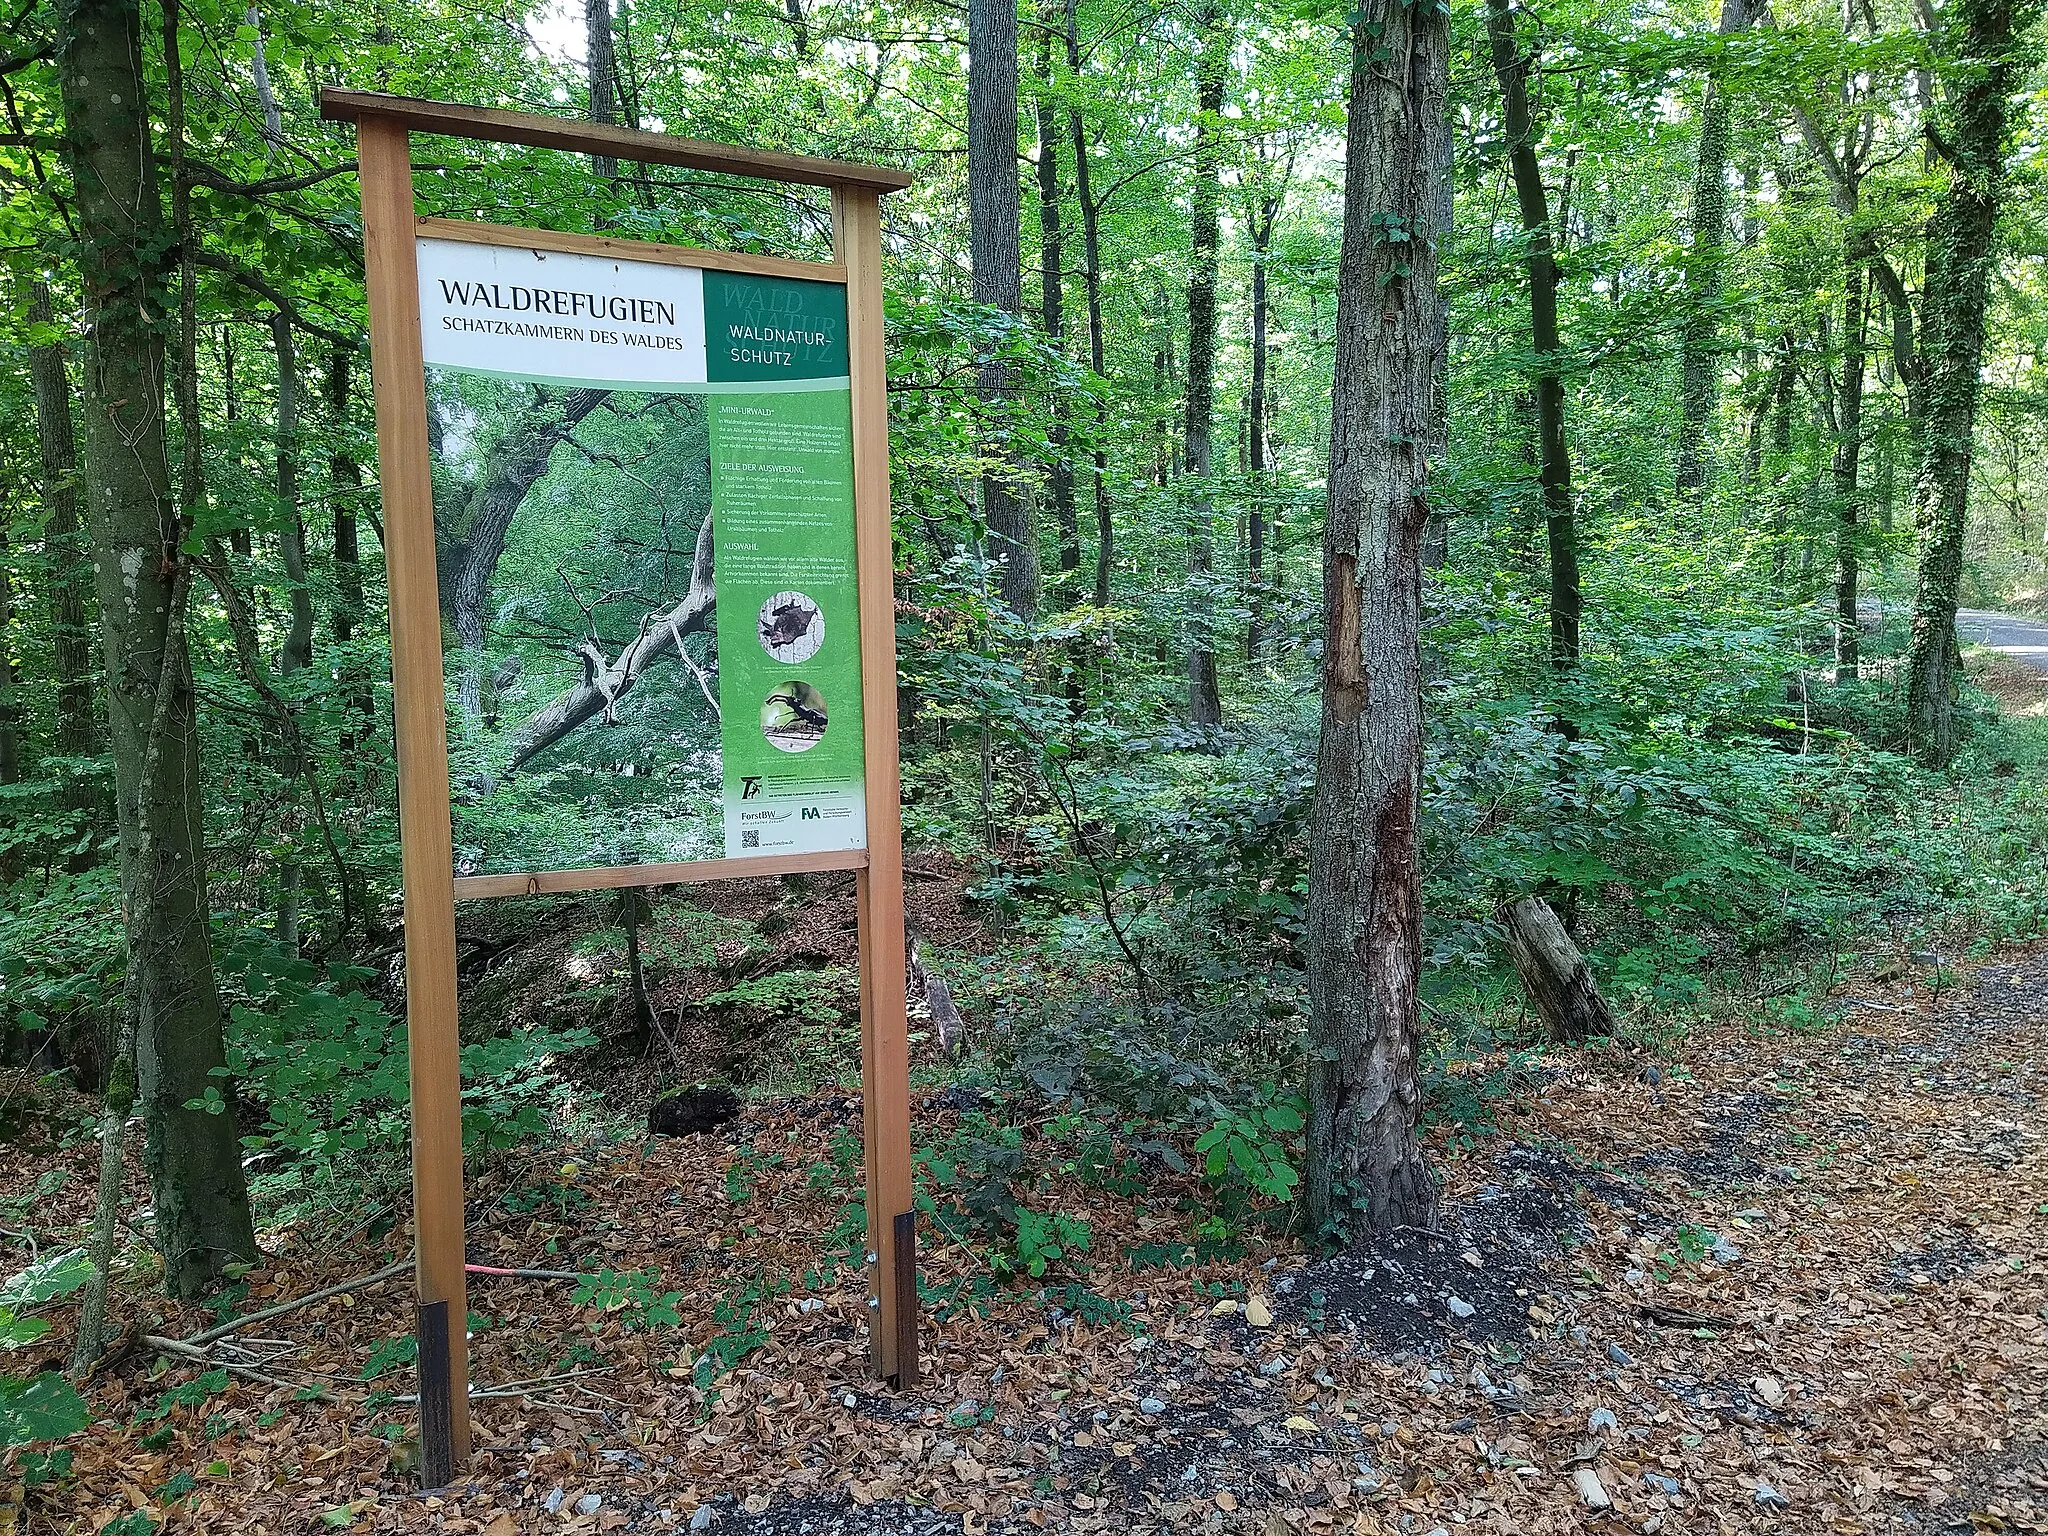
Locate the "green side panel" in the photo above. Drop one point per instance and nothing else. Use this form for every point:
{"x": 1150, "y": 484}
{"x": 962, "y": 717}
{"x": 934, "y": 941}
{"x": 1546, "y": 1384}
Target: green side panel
{"x": 773, "y": 328}
{"x": 788, "y": 619}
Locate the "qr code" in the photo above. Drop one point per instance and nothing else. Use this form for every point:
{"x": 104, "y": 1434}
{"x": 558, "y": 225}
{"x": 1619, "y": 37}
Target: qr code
{"x": 750, "y": 837}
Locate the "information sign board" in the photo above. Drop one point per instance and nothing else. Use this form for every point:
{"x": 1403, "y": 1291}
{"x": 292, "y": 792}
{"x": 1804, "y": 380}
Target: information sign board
{"x": 636, "y": 538}
{"x": 644, "y": 513}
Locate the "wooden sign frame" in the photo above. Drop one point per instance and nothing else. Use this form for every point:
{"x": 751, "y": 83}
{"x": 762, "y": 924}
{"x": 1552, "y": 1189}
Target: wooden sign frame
{"x": 391, "y": 230}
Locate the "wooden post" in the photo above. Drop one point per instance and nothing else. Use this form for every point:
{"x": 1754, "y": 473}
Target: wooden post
{"x": 427, "y": 859}
{"x": 884, "y": 1027}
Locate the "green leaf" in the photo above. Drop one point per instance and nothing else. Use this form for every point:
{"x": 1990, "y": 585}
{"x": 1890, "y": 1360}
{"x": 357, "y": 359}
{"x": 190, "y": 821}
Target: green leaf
{"x": 47, "y": 1279}
{"x": 39, "y": 1408}
{"x": 1284, "y": 1117}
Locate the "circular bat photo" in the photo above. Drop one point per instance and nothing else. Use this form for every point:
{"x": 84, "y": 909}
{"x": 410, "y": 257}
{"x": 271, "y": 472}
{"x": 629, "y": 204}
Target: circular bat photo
{"x": 793, "y": 717}
{"x": 792, "y": 628}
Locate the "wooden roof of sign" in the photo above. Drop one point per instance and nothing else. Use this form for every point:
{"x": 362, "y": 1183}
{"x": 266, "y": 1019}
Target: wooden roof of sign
{"x": 585, "y": 138}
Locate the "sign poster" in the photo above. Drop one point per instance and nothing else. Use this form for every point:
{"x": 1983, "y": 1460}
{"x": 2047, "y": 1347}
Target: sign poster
{"x": 643, "y": 515}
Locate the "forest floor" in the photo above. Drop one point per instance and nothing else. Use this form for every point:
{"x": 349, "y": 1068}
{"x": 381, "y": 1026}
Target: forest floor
{"x": 1795, "y": 1284}
{"x": 1786, "y": 1281}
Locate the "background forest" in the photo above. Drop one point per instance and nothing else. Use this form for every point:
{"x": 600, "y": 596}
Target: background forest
{"x": 1704, "y": 452}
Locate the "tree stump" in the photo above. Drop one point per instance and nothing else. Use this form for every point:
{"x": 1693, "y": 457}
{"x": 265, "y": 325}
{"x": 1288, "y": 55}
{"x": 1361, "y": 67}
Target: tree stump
{"x": 1554, "y": 973}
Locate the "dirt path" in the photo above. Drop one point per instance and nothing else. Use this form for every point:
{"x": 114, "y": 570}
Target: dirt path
{"x": 1797, "y": 1287}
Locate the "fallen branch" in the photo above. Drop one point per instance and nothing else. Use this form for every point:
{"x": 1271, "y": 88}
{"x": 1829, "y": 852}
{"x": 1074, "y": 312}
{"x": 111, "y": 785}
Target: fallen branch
{"x": 1678, "y": 1317}
{"x": 605, "y": 682}
{"x": 238, "y": 1324}
{"x": 179, "y": 1349}
{"x": 524, "y": 1274}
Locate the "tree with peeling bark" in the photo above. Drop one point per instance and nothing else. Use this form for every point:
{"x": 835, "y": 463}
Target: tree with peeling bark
{"x": 1365, "y": 1168}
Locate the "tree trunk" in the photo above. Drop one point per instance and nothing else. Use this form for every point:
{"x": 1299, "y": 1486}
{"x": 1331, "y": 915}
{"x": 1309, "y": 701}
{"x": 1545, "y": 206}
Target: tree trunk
{"x": 1205, "y": 704}
{"x": 1554, "y": 470}
{"x": 345, "y": 490}
{"x": 1699, "y": 340}
{"x": 1848, "y": 460}
{"x": 608, "y": 679}
{"x": 1264, "y": 217}
{"x": 1091, "y": 255}
{"x": 296, "y": 654}
{"x": 601, "y": 69}
{"x": 10, "y": 690}
{"x": 200, "y": 1200}
{"x": 67, "y": 571}
{"x": 1554, "y": 973}
{"x": 1784, "y": 379}
{"x": 1978, "y": 40}
{"x": 483, "y": 518}
{"x": 1365, "y": 1167}
{"x": 994, "y": 214}
{"x": 1052, "y": 309}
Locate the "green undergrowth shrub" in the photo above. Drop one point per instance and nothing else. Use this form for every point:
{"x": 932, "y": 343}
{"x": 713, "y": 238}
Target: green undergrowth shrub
{"x": 317, "y": 1076}
{"x": 61, "y": 955}
{"x": 1710, "y": 813}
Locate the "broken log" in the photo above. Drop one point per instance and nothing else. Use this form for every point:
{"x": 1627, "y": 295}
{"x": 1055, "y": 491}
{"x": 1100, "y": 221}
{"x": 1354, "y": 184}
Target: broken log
{"x": 1554, "y": 973}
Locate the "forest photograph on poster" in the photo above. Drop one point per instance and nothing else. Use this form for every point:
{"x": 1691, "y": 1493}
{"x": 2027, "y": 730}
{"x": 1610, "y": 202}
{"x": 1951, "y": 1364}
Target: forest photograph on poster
{"x": 573, "y": 534}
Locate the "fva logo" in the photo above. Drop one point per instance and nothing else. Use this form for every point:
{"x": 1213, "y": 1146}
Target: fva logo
{"x": 812, "y": 813}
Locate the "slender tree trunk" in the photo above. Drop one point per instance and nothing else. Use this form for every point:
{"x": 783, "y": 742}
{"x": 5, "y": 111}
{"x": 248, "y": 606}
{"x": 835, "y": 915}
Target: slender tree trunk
{"x": 1979, "y": 40}
{"x": 1365, "y": 1168}
{"x": 1848, "y": 461}
{"x": 1262, "y": 222}
{"x": 1700, "y": 340}
{"x": 1091, "y": 255}
{"x": 10, "y": 687}
{"x": 1784, "y": 378}
{"x": 67, "y": 570}
{"x": 994, "y": 213}
{"x": 344, "y": 491}
{"x": 601, "y": 69}
{"x": 1205, "y": 704}
{"x": 200, "y": 1200}
{"x": 1554, "y": 469}
{"x": 240, "y": 540}
{"x": 1052, "y": 309}
{"x": 297, "y": 652}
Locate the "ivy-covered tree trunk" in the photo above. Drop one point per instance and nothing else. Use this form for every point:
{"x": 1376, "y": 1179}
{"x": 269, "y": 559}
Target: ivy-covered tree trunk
{"x": 994, "y": 214}
{"x": 1365, "y": 1166}
{"x": 1700, "y": 339}
{"x": 1979, "y": 72}
{"x": 1554, "y": 465}
{"x": 1205, "y": 703}
{"x": 201, "y": 1204}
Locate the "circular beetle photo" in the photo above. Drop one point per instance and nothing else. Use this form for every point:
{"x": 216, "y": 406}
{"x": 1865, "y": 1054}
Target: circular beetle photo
{"x": 791, "y": 627}
{"x": 793, "y": 717}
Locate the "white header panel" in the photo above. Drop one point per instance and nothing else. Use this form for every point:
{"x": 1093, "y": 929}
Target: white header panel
{"x": 560, "y": 317}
